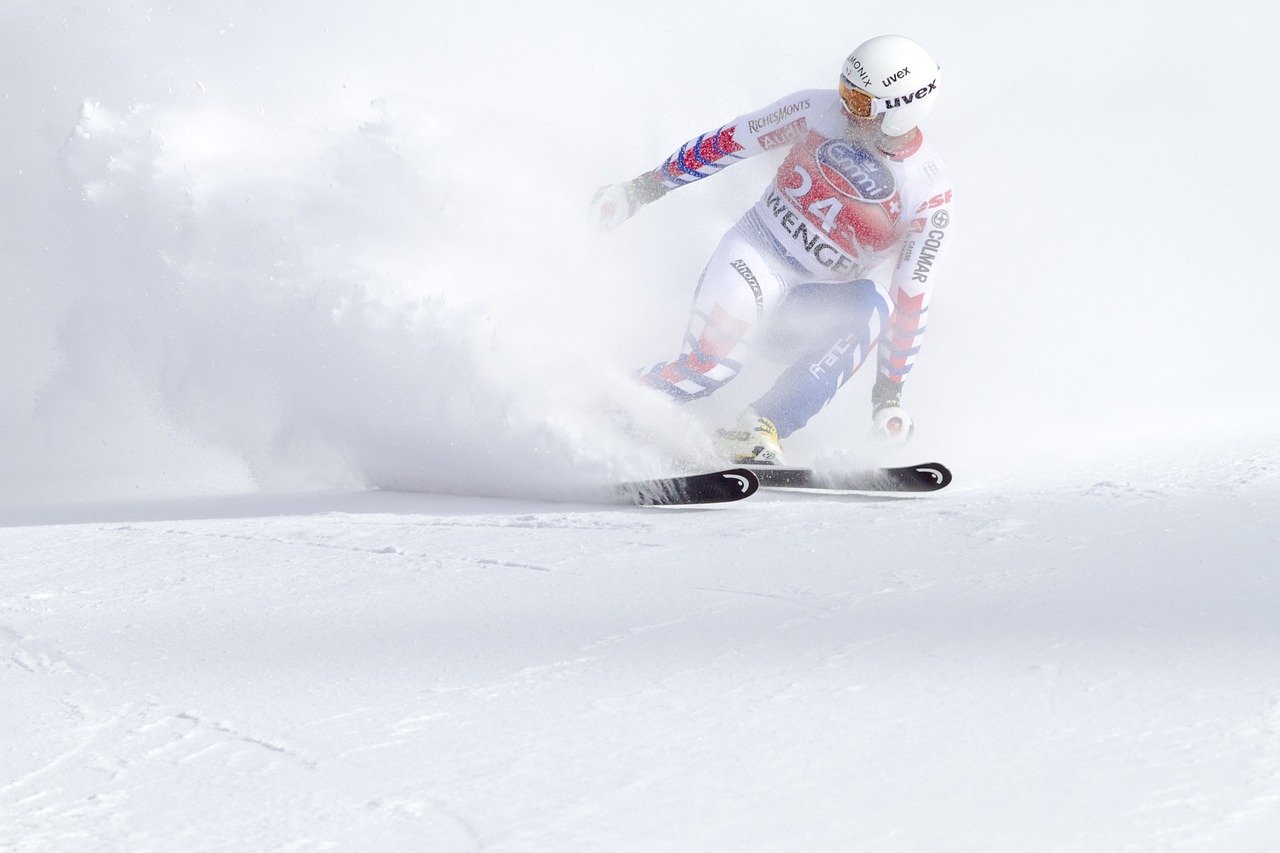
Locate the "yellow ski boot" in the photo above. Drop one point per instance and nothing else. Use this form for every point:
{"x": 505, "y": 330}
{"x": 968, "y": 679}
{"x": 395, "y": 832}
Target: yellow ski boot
{"x": 753, "y": 440}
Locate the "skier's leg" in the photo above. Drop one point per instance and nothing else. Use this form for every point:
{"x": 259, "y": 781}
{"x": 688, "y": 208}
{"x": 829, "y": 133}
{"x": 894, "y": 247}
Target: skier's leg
{"x": 843, "y": 321}
{"x": 737, "y": 290}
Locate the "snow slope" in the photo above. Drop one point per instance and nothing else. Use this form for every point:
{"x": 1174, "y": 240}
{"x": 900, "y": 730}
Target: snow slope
{"x": 257, "y": 258}
{"x": 1090, "y": 664}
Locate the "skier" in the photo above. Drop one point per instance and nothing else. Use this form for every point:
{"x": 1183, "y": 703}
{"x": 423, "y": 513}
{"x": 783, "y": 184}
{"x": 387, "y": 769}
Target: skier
{"x": 859, "y": 185}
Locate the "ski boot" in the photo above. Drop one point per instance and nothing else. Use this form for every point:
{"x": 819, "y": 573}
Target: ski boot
{"x": 753, "y": 440}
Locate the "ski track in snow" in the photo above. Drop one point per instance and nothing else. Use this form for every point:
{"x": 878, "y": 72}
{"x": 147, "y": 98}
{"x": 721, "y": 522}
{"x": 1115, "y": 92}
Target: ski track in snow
{"x": 1084, "y": 664}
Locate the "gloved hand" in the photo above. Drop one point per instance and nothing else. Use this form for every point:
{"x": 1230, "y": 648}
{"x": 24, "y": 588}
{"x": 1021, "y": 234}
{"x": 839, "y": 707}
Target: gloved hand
{"x": 890, "y": 423}
{"x": 614, "y": 204}
{"x": 611, "y": 206}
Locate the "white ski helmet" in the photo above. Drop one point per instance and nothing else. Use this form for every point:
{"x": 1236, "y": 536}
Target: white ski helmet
{"x": 890, "y": 76}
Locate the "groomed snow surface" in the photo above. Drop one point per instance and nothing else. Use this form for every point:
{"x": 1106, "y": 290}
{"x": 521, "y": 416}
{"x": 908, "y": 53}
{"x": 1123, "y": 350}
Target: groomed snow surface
{"x": 311, "y": 368}
{"x": 1090, "y": 664}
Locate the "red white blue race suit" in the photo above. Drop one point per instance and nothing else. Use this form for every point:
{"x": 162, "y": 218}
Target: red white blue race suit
{"x": 793, "y": 271}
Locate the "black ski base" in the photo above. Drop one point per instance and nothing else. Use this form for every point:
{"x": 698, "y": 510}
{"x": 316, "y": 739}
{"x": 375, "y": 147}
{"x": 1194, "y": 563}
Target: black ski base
{"x": 928, "y": 477}
{"x": 733, "y": 484}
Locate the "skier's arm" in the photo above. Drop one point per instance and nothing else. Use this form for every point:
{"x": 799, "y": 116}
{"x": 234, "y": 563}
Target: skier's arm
{"x": 774, "y": 126}
{"x": 927, "y": 243}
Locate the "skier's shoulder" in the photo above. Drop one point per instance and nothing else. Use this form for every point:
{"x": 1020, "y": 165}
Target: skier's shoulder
{"x": 784, "y": 120}
{"x": 924, "y": 171}
{"x": 919, "y": 154}
{"x": 803, "y": 102}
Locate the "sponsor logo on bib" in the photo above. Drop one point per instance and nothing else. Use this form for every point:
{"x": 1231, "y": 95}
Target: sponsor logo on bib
{"x": 855, "y": 171}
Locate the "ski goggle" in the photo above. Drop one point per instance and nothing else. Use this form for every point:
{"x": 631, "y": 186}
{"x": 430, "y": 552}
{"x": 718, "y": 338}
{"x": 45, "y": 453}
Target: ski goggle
{"x": 860, "y": 104}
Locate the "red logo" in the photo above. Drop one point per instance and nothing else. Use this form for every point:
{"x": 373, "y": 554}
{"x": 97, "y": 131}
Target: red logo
{"x": 936, "y": 201}
{"x": 784, "y": 135}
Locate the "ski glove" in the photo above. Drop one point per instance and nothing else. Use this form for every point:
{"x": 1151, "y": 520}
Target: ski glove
{"x": 890, "y": 423}
{"x": 614, "y": 204}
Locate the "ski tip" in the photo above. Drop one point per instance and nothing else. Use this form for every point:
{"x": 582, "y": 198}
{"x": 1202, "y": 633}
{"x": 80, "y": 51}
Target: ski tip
{"x": 934, "y": 472}
{"x": 743, "y": 479}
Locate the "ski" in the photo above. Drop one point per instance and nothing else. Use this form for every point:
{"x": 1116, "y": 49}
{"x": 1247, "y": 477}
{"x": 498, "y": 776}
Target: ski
{"x": 928, "y": 477}
{"x": 733, "y": 484}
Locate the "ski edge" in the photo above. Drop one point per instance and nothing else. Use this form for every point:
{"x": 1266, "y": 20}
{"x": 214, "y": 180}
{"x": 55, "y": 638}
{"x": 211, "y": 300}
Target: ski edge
{"x": 713, "y": 487}
{"x": 911, "y": 479}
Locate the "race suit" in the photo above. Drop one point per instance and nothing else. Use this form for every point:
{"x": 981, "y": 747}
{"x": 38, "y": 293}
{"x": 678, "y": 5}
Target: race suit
{"x": 795, "y": 265}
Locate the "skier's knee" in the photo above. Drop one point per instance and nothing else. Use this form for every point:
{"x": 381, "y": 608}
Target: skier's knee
{"x": 690, "y": 376}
